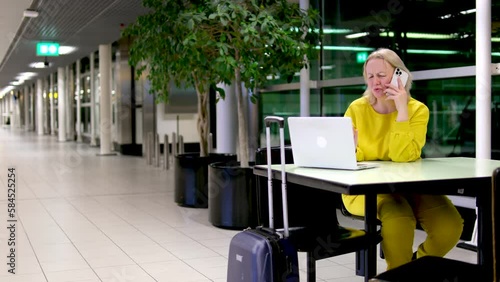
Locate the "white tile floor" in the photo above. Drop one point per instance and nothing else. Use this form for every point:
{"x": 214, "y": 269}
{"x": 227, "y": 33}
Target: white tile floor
{"x": 83, "y": 217}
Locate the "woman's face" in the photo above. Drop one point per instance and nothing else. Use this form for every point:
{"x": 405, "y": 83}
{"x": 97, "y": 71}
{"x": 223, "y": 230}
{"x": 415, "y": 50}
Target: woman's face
{"x": 378, "y": 74}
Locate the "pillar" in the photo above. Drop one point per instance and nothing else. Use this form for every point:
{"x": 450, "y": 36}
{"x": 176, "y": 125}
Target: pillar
{"x": 227, "y": 121}
{"x": 27, "y": 98}
{"x": 61, "y": 105}
{"x": 483, "y": 79}
{"x": 70, "y": 101}
{"x": 39, "y": 106}
{"x": 93, "y": 137}
{"x": 305, "y": 91}
{"x": 78, "y": 103}
{"x": 105, "y": 99}
{"x": 51, "y": 101}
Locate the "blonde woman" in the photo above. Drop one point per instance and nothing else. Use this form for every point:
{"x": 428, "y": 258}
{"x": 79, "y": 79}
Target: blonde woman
{"x": 390, "y": 125}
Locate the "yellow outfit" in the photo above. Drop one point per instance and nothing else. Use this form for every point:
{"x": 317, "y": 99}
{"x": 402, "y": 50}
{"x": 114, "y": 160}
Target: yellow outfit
{"x": 381, "y": 137}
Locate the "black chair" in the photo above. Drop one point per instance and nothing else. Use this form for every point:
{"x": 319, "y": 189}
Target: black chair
{"x": 307, "y": 207}
{"x": 346, "y": 213}
{"x": 437, "y": 269}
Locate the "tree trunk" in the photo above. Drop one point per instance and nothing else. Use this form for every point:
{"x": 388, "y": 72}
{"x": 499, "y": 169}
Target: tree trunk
{"x": 242, "y": 122}
{"x": 202, "y": 121}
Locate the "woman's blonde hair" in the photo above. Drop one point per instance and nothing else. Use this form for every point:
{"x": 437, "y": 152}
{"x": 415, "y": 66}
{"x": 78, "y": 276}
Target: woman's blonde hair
{"x": 394, "y": 60}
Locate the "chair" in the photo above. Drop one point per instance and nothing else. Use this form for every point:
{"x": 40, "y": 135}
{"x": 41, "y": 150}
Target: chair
{"x": 308, "y": 230}
{"x": 437, "y": 269}
{"x": 346, "y": 213}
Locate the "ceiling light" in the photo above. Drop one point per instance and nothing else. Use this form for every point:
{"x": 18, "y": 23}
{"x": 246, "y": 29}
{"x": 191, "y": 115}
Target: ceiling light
{"x": 64, "y": 50}
{"x": 336, "y": 30}
{"x": 433, "y": 52}
{"x": 471, "y": 11}
{"x": 357, "y": 35}
{"x": 413, "y": 51}
{"x": 6, "y": 90}
{"x": 346, "y": 48}
{"x": 25, "y": 75}
{"x": 39, "y": 65}
{"x": 417, "y": 35}
{"x": 30, "y": 13}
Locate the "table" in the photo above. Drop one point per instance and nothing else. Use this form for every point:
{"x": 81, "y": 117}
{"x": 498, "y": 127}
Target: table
{"x": 444, "y": 176}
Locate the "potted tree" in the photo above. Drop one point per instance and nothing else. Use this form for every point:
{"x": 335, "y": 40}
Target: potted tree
{"x": 255, "y": 39}
{"x": 169, "y": 48}
{"x": 201, "y": 43}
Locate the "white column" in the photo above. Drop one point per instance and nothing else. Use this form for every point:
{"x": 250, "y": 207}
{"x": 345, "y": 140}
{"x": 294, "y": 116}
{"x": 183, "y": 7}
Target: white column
{"x": 27, "y": 98}
{"x": 483, "y": 79}
{"x": 5, "y": 110}
{"x": 51, "y": 100}
{"x": 93, "y": 141}
{"x": 39, "y": 106}
{"x": 78, "y": 103}
{"x": 305, "y": 91}
{"x": 18, "y": 109}
{"x": 2, "y": 110}
{"x": 11, "y": 108}
{"x": 2, "y": 102}
{"x": 70, "y": 95}
{"x": 105, "y": 98}
{"x": 61, "y": 105}
{"x": 44, "y": 113}
{"x": 13, "y": 103}
{"x": 32, "y": 106}
{"x": 227, "y": 121}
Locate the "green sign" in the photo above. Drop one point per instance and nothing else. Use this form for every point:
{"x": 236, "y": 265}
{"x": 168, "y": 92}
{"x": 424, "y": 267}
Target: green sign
{"x": 361, "y": 57}
{"x": 47, "y": 49}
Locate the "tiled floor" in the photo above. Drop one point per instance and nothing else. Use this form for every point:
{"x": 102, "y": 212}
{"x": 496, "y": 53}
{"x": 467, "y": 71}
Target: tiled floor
{"x": 83, "y": 217}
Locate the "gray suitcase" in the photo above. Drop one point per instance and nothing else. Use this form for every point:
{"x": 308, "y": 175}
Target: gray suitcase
{"x": 265, "y": 254}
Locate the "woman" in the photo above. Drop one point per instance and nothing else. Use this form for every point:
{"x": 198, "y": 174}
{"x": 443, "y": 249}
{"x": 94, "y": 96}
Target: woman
{"x": 390, "y": 125}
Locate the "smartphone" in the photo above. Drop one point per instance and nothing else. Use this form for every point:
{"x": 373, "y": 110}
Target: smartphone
{"x": 401, "y": 74}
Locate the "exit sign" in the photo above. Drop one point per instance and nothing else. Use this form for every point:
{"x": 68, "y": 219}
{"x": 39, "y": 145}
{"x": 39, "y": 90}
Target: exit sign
{"x": 47, "y": 49}
{"x": 361, "y": 57}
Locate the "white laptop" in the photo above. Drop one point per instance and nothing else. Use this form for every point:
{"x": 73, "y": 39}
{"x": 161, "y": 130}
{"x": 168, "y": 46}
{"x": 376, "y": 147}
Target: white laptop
{"x": 324, "y": 142}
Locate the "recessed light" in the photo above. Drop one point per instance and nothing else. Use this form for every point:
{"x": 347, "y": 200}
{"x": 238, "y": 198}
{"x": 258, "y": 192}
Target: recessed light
{"x": 25, "y": 75}
{"x": 30, "y": 13}
{"x": 39, "y": 65}
{"x": 64, "y": 50}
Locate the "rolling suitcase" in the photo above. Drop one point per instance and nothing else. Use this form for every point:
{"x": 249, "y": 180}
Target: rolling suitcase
{"x": 265, "y": 254}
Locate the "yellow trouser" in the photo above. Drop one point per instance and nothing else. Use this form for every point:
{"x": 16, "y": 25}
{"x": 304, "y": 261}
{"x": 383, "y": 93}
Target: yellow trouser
{"x": 399, "y": 214}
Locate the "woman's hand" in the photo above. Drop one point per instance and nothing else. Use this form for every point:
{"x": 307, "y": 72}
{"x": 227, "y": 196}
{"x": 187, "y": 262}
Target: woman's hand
{"x": 400, "y": 97}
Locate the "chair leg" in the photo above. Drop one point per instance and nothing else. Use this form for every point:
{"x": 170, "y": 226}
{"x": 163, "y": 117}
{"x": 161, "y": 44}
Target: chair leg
{"x": 360, "y": 265}
{"x": 311, "y": 268}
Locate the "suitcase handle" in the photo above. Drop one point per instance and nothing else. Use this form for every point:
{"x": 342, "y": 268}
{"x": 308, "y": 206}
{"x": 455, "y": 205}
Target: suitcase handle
{"x": 281, "y": 121}
{"x": 271, "y": 119}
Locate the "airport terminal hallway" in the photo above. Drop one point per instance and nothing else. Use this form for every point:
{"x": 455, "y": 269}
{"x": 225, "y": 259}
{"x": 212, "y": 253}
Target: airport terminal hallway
{"x": 83, "y": 217}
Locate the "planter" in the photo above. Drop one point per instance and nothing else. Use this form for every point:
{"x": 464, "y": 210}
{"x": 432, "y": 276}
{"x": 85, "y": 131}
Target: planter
{"x": 191, "y": 178}
{"x": 232, "y": 196}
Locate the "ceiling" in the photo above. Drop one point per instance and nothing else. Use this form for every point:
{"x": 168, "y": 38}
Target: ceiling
{"x": 82, "y": 24}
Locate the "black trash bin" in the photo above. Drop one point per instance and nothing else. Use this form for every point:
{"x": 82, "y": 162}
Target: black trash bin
{"x": 191, "y": 178}
{"x": 232, "y": 196}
